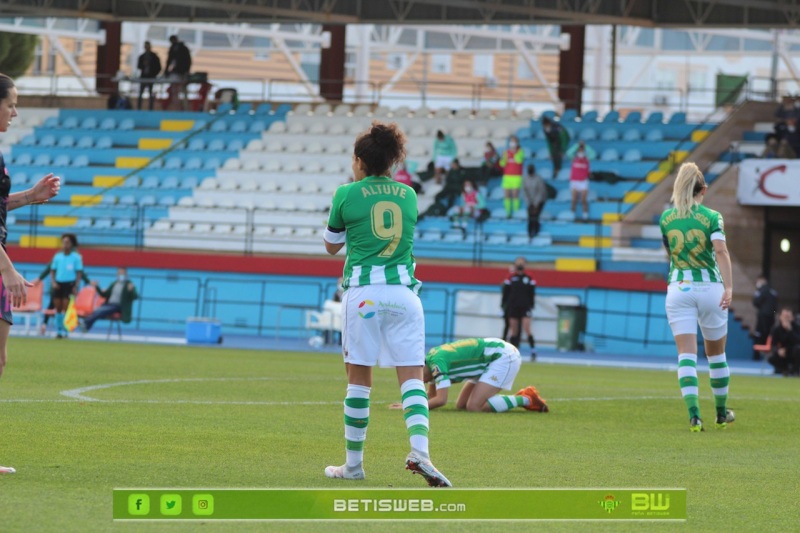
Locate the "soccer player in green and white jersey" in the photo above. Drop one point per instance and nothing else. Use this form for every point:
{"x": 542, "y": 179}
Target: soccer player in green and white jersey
{"x": 699, "y": 292}
{"x": 382, "y": 318}
{"x": 487, "y": 366}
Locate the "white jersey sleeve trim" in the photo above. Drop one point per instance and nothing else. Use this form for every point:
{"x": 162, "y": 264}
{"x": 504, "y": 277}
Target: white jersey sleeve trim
{"x": 334, "y": 237}
{"x": 717, "y": 236}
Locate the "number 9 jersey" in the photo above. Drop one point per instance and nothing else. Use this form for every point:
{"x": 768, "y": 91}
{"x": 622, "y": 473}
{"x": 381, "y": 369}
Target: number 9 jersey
{"x": 376, "y": 218}
{"x": 688, "y": 241}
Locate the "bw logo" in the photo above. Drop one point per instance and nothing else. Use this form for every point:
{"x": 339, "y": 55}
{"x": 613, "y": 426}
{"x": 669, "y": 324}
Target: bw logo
{"x": 654, "y": 501}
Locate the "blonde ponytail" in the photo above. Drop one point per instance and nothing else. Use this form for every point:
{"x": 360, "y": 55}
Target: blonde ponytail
{"x": 688, "y": 184}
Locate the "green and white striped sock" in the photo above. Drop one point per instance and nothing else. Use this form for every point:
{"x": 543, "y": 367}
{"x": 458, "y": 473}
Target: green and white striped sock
{"x": 501, "y": 404}
{"x": 720, "y": 376}
{"x": 356, "y": 419}
{"x": 415, "y": 411}
{"x": 687, "y": 377}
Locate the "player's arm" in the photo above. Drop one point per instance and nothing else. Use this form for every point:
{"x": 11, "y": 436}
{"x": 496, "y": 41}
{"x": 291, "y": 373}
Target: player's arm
{"x": 335, "y": 233}
{"x": 438, "y": 398}
{"x": 725, "y": 268}
{"x": 45, "y": 188}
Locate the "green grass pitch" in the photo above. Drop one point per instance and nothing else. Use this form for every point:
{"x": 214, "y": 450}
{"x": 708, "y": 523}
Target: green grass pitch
{"x": 208, "y": 417}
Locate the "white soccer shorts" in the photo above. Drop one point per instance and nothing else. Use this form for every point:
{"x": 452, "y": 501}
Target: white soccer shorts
{"x": 502, "y": 371}
{"x": 690, "y": 303}
{"x": 383, "y": 325}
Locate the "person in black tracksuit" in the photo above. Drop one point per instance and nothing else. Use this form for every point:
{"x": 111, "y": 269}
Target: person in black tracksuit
{"x": 519, "y": 298}
{"x": 765, "y": 301}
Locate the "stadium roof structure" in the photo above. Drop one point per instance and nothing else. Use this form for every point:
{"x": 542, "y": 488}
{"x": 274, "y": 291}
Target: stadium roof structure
{"x": 683, "y": 13}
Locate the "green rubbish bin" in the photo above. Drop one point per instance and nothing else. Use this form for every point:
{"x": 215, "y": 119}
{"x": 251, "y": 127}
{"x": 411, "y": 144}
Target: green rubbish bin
{"x": 571, "y": 327}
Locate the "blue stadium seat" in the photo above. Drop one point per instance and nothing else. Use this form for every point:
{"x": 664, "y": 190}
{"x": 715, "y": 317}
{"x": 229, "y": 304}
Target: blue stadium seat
{"x": 542, "y": 153}
{"x": 588, "y": 134}
{"x": 569, "y": 115}
{"x": 86, "y": 141}
{"x": 193, "y": 163}
{"x": 83, "y": 223}
{"x": 28, "y": 140}
{"x": 654, "y": 135}
{"x": 189, "y": 182}
{"x": 102, "y": 223}
{"x": 236, "y": 145}
{"x": 609, "y": 154}
{"x": 23, "y": 159}
{"x": 656, "y": 117}
{"x": 67, "y": 141}
{"x": 589, "y": 116}
{"x": 216, "y": 145}
{"x": 170, "y": 182}
{"x": 173, "y": 162}
{"x": 166, "y": 201}
{"x": 19, "y": 178}
{"x": 70, "y": 123}
{"x": 633, "y": 117}
{"x": 61, "y": 160}
{"x": 104, "y": 143}
{"x": 197, "y": 145}
{"x": 219, "y": 126}
{"x": 42, "y": 160}
{"x": 566, "y": 216}
{"x": 48, "y": 141}
{"x": 148, "y": 200}
{"x": 632, "y": 155}
{"x": 679, "y": 117}
{"x": 150, "y": 182}
{"x": 127, "y": 124}
{"x": 609, "y": 135}
{"x": 89, "y": 123}
{"x": 239, "y": 126}
{"x": 264, "y": 109}
{"x": 127, "y": 200}
{"x": 244, "y": 108}
{"x": 108, "y": 199}
{"x": 108, "y": 124}
{"x": 50, "y": 122}
{"x": 257, "y": 126}
{"x": 631, "y": 135}
{"x": 212, "y": 163}
{"x": 226, "y": 107}
{"x": 282, "y": 109}
{"x": 611, "y": 117}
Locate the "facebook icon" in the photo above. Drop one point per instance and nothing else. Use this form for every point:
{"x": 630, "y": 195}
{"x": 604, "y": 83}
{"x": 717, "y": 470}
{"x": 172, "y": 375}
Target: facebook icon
{"x": 138, "y": 504}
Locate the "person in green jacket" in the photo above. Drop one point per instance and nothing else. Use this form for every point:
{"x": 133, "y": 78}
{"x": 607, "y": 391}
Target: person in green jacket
{"x": 444, "y": 151}
{"x": 119, "y": 299}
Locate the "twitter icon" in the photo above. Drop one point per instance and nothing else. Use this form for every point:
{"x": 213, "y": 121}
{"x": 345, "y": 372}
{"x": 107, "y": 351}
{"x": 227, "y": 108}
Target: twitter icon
{"x": 171, "y": 504}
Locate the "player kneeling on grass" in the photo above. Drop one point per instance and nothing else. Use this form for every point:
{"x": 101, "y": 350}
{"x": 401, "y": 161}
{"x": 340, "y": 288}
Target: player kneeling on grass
{"x": 486, "y": 366}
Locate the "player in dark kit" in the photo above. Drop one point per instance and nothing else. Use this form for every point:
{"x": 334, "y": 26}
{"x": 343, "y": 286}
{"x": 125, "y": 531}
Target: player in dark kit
{"x": 519, "y": 297}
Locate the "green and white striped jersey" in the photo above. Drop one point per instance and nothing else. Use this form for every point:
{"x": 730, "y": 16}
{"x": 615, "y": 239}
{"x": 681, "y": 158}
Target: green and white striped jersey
{"x": 376, "y": 218}
{"x": 689, "y": 239}
{"x": 464, "y": 359}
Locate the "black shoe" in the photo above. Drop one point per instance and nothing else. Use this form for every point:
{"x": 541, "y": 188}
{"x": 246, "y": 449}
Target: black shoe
{"x": 533, "y": 354}
{"x": 723, "y": 421}
{"x": 59, "y": 336}
{"x": 696, "y": 425}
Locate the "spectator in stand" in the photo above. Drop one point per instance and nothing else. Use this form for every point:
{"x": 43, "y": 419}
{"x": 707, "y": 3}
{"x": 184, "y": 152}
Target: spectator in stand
{"x": 518, "y": 301}
{"x": 579, "y": 176}
{"x": 770, "y": 147}
{"x": 535, "y": 196}
{"x": 491, "y": 162}
{"x": 785, "y": 151}
{"x": 792, "y": 135}
{"x": 149, "y": 66}
{"x": 453, "y": 185}
{"x": 402, "y": 175}
{"x": 512, "y": 162}
{"x": 786, "y": 344}
{"x": 557, "y": 141}
{"x": 119, "y": 300}
{"x": 444, "y": 152}
{"x": 789, "y": 108}
{"x": 179, "y": 64}
{"x": 765, "y": 301}
{"x": 50, "y": 306}
{"x": 473, "y": 204}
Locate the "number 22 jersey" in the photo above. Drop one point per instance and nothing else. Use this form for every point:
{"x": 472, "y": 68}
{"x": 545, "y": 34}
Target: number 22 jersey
{"x": 688, "y": 240}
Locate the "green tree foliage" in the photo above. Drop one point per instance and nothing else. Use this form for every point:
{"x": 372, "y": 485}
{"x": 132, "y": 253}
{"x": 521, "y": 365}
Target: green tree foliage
{"x": 17, "y": 51}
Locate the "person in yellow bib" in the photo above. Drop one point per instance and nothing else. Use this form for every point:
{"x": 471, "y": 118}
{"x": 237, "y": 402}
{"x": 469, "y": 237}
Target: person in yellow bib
{"x": 699, "y": 291}
{"x": 512, "y": 164}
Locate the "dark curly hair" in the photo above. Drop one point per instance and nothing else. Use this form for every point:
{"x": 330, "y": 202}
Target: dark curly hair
{"x": 380, "y": 147}
{"x": 72, "y": 238}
